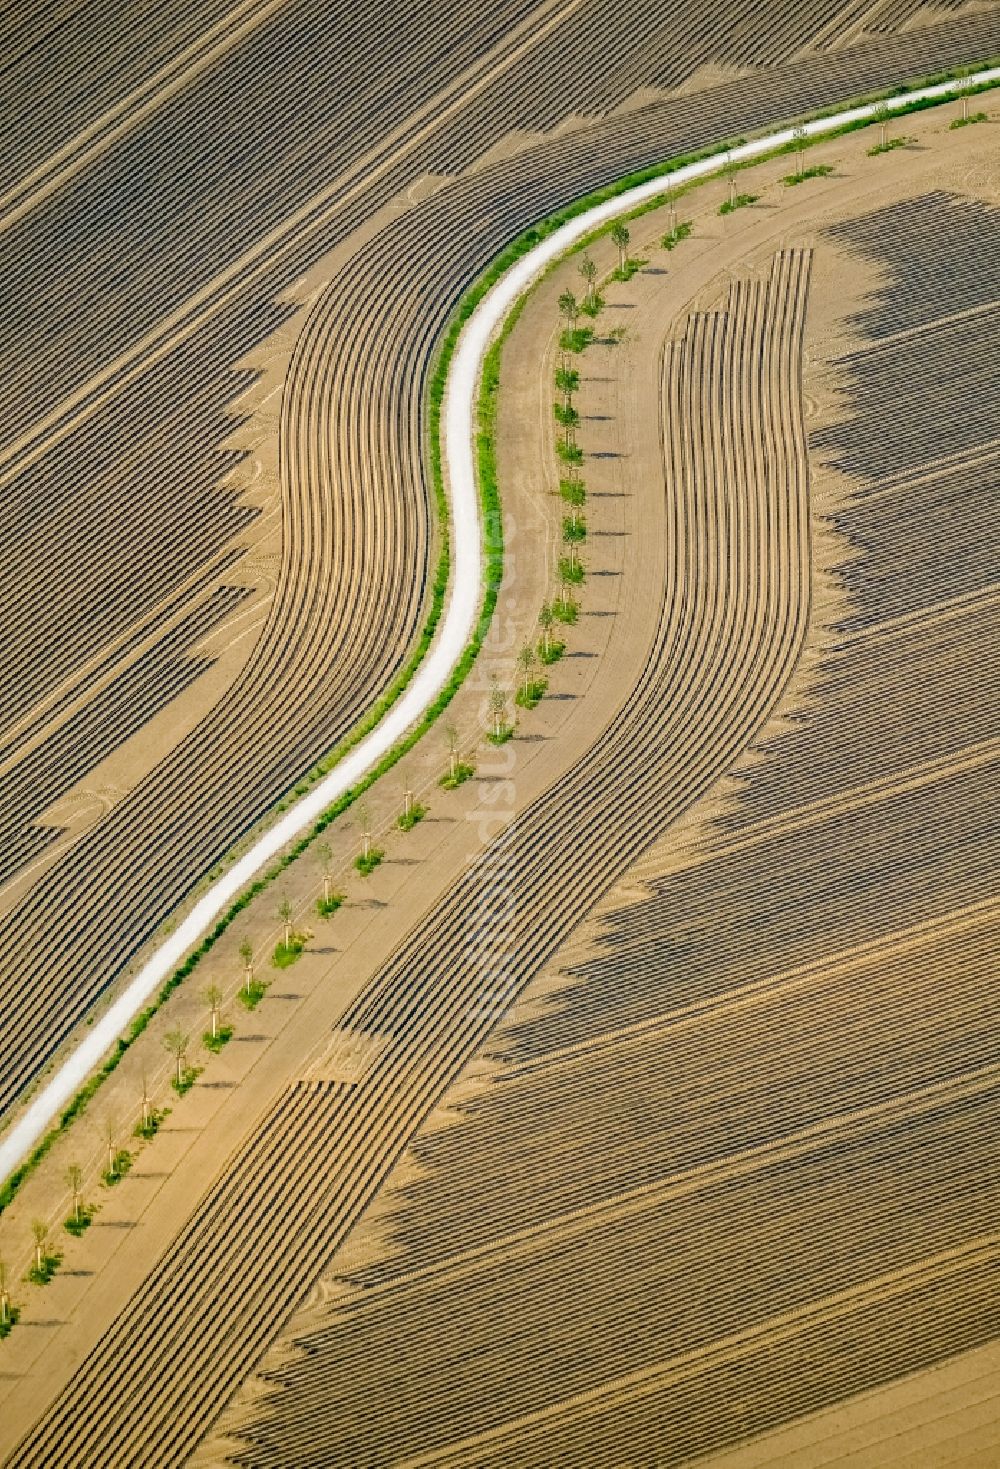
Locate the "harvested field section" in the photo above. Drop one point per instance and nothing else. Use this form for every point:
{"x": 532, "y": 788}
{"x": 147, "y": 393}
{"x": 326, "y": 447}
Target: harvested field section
{"x": 246, "y": 248}
{"x": 923, "y": 591}
{"x": 948, "y": 412}
{"x": 734, "y": 1159}
{"x": 732, "y": 617}
{"x": 940, "y": 523}
{"x": 944, "y": 701}
{"x": 676, "y": 1281}
{"x": 348, "y": 600}
{"x": 941, "y": 255}
{"x": 118, "y": 711}
{"x": 568, "y": 1131}
{"x": 354, "y": 531}
{"x": 688, "y": 940}
{"x": 74, "y": 61}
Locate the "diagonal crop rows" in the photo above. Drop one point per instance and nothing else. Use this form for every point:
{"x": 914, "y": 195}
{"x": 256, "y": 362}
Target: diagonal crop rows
{"x": 743, "y": 1165}
{"x": 117, "y": 712}
{"x": 379, "y": 323}
{"x": 736, "y": 602}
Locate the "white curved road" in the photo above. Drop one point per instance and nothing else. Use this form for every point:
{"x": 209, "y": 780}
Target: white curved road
{"x": 452, "y": 636}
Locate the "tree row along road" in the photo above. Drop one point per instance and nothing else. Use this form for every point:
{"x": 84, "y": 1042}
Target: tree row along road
{"x": 361, "y": 365}
{"x": 689, "y": 1173}
{"x": 81, "y": 923}
{"x": 735, "y": 609}
{"x": 174, "y": 362}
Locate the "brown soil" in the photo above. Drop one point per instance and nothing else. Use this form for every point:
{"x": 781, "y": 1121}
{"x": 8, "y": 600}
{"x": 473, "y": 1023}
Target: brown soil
{"x": 55, "y": 968}
{"x": 947, "y": 1417}
{"x": 279, "y": 1043}
{"x": 390, "y": 1239}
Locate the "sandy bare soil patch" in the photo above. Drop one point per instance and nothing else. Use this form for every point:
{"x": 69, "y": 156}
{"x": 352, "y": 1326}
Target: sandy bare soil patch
{"x": 270, "y": 1113}
{"x": 729, "y": 1159}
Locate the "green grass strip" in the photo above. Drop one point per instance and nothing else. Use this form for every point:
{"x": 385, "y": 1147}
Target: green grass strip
{"x": 492, "y": 535}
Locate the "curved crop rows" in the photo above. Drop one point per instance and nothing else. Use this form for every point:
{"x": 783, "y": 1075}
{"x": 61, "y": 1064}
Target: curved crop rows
{"x": 743, "y": 1165}
{"x": 380, "y": 321}
{"x": 118, "y": 711}
{"x": 344, "y": 613}
{"x": 73, "y": 62}
{"x": 734, "y": 614}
